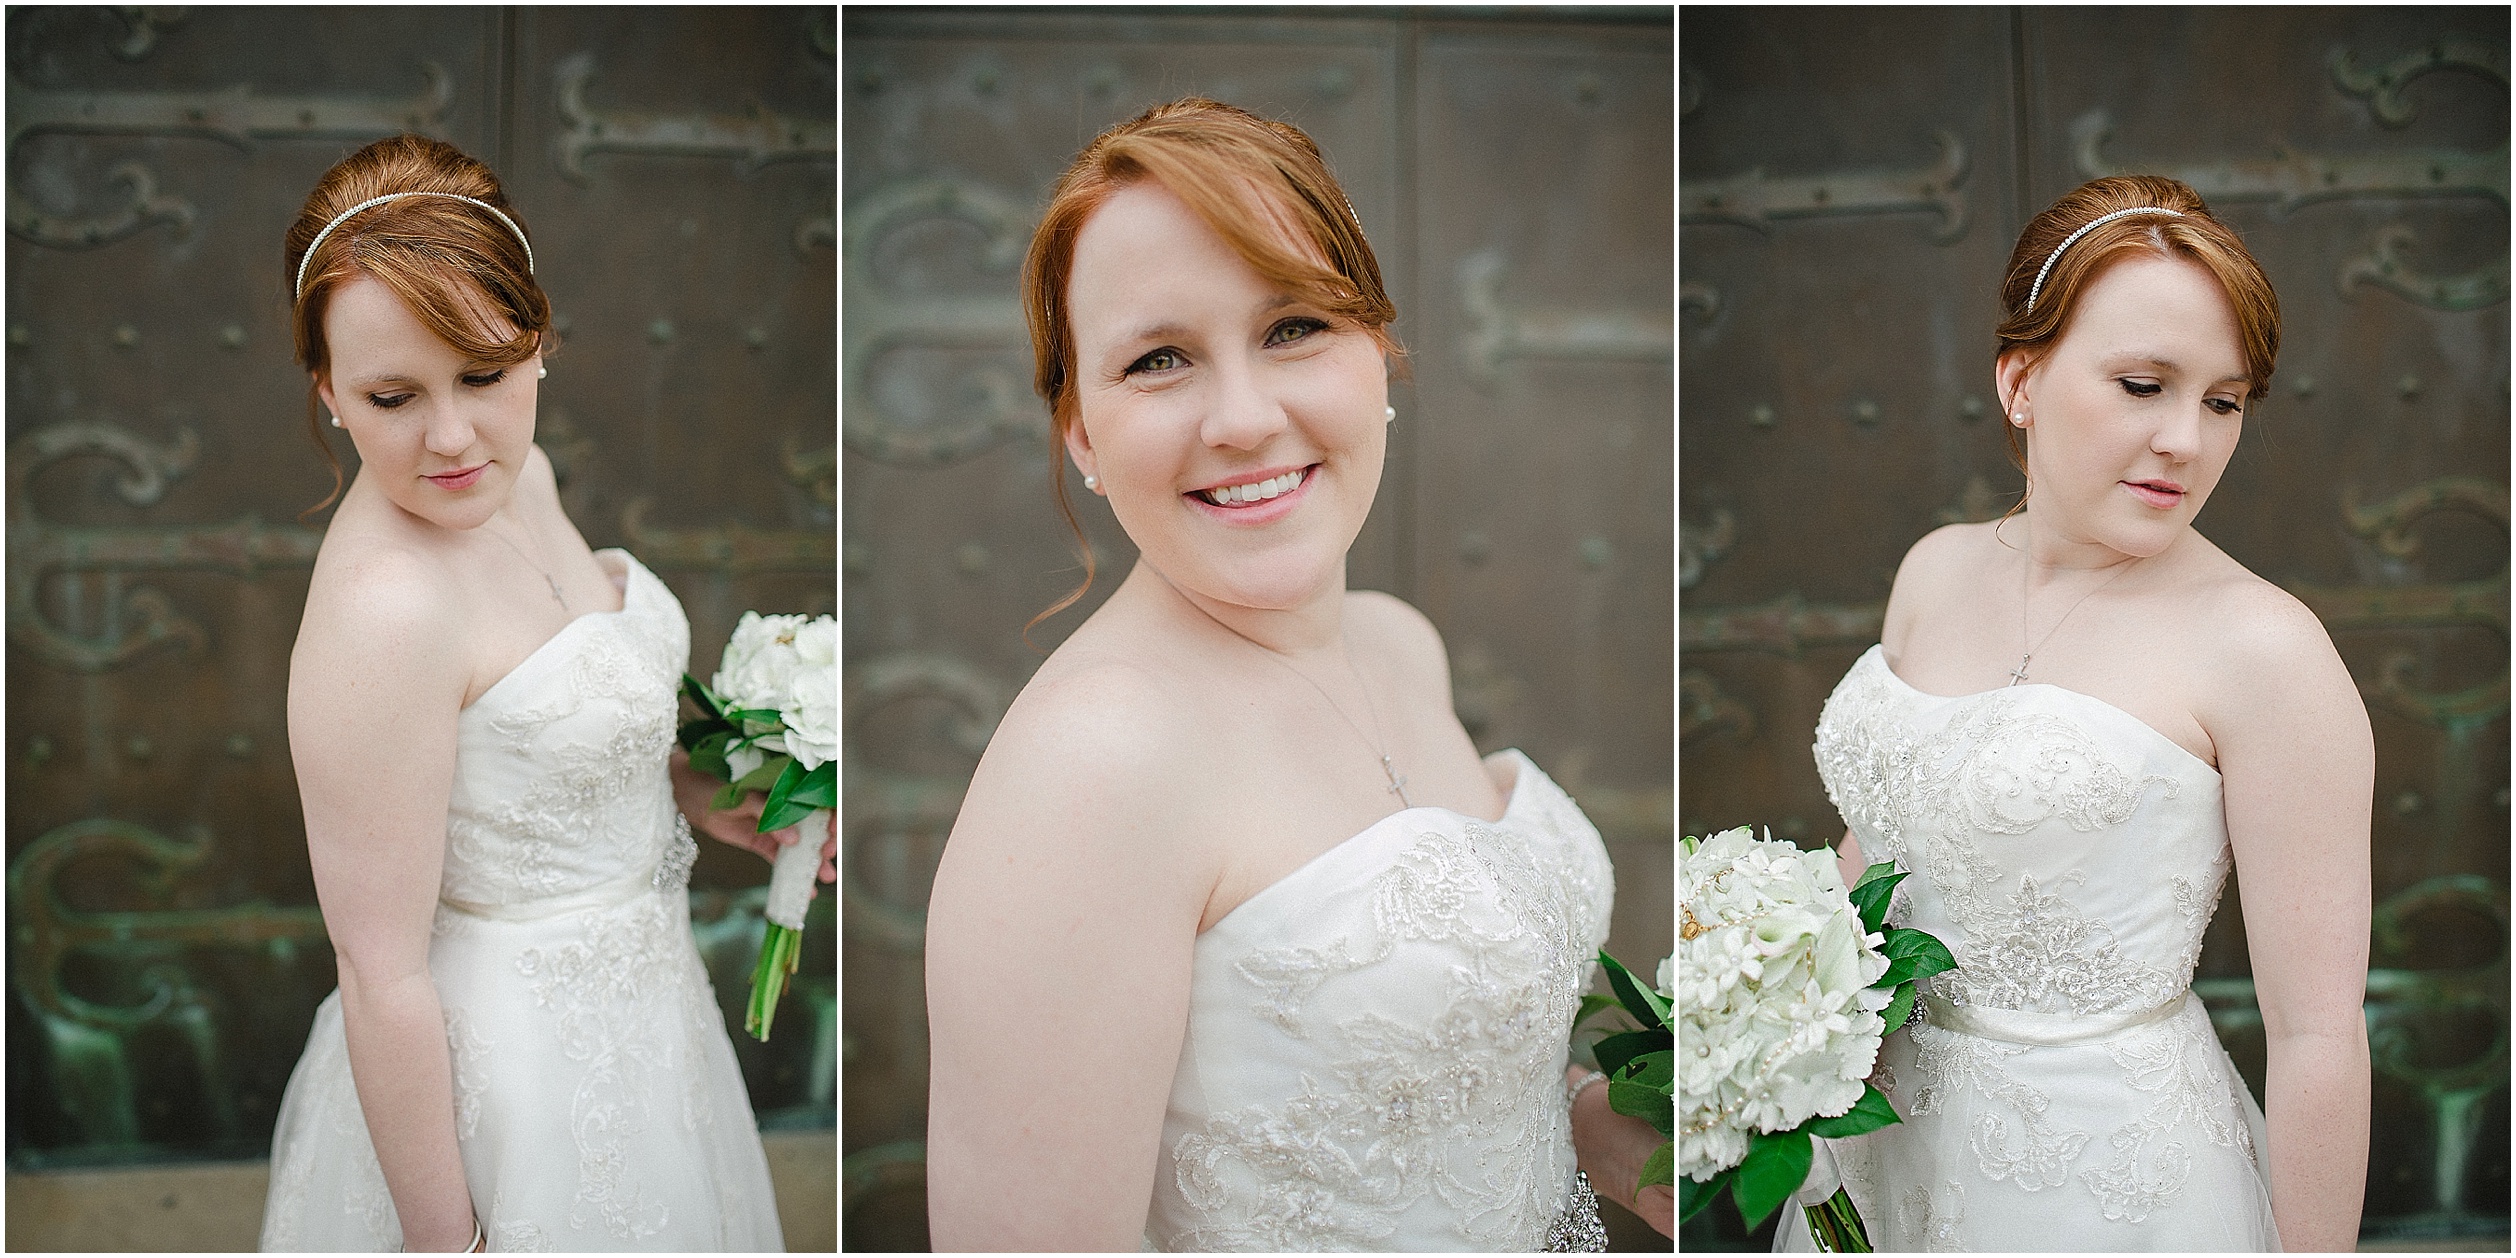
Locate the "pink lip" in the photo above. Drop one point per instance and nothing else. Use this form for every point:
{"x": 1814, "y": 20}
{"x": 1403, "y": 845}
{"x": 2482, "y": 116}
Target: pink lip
{"x": 459, "y": 480}
{"x": 1258, "y": 513}
{"x": 2148, "y": 493}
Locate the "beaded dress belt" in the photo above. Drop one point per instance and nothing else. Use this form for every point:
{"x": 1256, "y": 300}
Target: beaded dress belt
{"x": 1578, "y": 1229}
{"x": 606, "y": 896}
{"x": 2045, "y": 1030}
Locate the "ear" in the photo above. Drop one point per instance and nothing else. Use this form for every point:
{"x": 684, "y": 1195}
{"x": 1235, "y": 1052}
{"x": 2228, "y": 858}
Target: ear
{"x": 323, "y": 388}
{"x": 2011, "y": 374}
{"x": 1079, "y": 448}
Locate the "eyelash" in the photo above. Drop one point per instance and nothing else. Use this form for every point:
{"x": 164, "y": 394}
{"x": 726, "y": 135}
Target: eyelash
{"x": 2136, "y": 389}
{"x": 477, "y": 382}
{"x": 1307, "y": 328}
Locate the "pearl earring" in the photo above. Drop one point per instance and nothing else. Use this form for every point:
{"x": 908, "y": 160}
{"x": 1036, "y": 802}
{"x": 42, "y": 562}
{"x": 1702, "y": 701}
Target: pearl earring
{"x": 543, "y": 374}
{"x": 1388, "y": 414}
{"x": 2019, "y": 419}
{"x": 1090, "y": 481}
{"x": 336, "y": 421}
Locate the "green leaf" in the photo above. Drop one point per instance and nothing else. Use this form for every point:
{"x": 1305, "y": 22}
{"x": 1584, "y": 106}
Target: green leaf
{"x": 730, "y": 796}
{"x": 1868, "y": 1114}
{"x": 1616, "y": 1050}
{"x": 1900, "y": 1009}
{"x": 1659, "y": 1168}
{"x": 1655, "y": 1069}
{"x": 1870, "y": 899}
{"x": 783, "y": 809}
{"x": 1652, "y": 1105}
{"x": 819, "y": 788}
{"x": 1637, "y": 996}
{"x": 1775, "y": 1166}
{"x": 1928, "y": 954}
{"x": 766, "y": 775}
{"x": 707, "y": 754}
{"x": 1693, "y": 1197}
{"x": 700, "y": 696}
{"x": 1592, "y": 1003}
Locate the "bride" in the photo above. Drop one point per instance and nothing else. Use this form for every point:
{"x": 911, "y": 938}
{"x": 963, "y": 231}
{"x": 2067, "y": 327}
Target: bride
{"x": 524, "y": 1049}
{"x": 2077, "y": 720}
{"x": 1236, "y": 944}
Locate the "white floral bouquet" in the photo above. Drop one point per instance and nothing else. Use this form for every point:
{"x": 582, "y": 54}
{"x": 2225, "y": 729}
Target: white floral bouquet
{"x": 770, "y": 723}
{"x": 1786, "y": 985}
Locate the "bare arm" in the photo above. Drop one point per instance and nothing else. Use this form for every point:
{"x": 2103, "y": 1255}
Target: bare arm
{"x": 1058, "y": 949}
{"x": 2299, "y": 765}
{"x": 374, "y": 688}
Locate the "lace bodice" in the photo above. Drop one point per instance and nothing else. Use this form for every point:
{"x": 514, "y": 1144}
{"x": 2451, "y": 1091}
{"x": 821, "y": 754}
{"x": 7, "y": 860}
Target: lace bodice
{"x": 1376, "y": 1044}
{"x": 2061, "y": 1088}
{"x": 2067, "y": 853}
{"x": 560, "y": 786}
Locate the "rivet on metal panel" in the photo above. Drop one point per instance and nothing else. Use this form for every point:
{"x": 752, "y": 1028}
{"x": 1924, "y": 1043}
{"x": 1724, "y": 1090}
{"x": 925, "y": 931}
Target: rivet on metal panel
{"x": 39, "y": 749}
{"x": 869, "y": 82}
{"x": 1865, "y": 413}
{"x": 240, "y": 745}
{"x": 1793, "y": 828}
{"x": 1475, "y": 547}
{"x": 126, "y": 336}
{"x": 984, "y": 81}
{"x": 689, "y": 228}
{"x": 18, "y": 335}
{"x": 1595, "y": 553}
{"x": 660, "y": 331}
{"x": 139, "y": 747}
{"x": 1586, "y": 88}
{"x": 2500, "y": 799}
{"x": 2407, "y": 803}
{"x": 1760, "y": 415}
{"x": 1699, "y": 298}
{"x": 2305, "y": 386}
{"x": 1698, "y": 546}
{"x": 856, "y": 558}
{"x": 971, "y": 558}
{"x": 1335, "y": 82}
{"x": 232, "y": 336}
{"x": 2408, "y": 387}
{"x": 1101, "y": 81}
{"x": 561, "y": 323}
{"x": 1970, "y": 410}
{"x": 755, "y": 336}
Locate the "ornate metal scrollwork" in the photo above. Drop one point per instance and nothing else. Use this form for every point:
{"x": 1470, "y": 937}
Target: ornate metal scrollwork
{"x": 1754, "y": 200}
{"x": 1498, "y": 332}
{"x": 2480, "y": 602}
{"x": 1699, "y": 545}
{"x": 2382, "y": 86}
{"x": 884, "y": 807}
{"x": 236, "y": 116}
{"x": 2383, "y": 266}
{"x": 879, "y": 321}
{"x": 143, "y": 620}
{"x": 1785, "y": 626}
{"x": 734, "y": 548}
{"x": 89, "y": 1040}
{"x": 754, "y": 139}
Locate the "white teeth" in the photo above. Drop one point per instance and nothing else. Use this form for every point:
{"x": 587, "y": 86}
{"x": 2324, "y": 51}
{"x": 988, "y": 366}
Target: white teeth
{"x": 1255, "y": 491}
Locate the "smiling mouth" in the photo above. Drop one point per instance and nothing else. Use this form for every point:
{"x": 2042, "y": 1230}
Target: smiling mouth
{"x": 1251, "y": 493}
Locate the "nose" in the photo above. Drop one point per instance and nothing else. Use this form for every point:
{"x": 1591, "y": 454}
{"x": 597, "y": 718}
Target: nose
{"x": 1243, "y": 413}
{"x": 2179, "y": 435}
{"x": 450, "y": 430}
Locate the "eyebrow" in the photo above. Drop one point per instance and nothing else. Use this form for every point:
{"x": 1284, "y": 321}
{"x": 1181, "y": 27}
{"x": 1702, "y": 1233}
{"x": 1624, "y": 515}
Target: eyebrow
{"x": 2169, "y": 364}
{"x": 1168, "y": 331}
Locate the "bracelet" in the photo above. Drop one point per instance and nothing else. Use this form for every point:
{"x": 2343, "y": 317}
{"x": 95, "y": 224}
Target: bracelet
{"x": 1573, "y": 1094}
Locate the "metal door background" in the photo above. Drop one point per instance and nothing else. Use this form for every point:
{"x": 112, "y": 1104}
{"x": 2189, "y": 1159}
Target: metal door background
{"x": 1852, "y": 184}
{"x": 676, "y": 167}
{"x": 1514, "y": 176}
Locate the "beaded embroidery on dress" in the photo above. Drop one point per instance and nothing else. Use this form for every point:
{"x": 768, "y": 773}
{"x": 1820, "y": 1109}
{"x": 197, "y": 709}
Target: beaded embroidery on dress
{"x": 2062, "y": 1089}
{"x": 598, "y": 1105}
{"x": 1376, "y": 1044}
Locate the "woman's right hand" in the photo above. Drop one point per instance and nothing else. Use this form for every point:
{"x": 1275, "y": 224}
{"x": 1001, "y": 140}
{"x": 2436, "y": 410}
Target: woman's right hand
{"x": 739, "y": 826}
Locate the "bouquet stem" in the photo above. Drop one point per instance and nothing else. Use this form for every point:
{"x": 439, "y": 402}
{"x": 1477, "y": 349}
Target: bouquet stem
{"x": 1836, "y": 1226}
{"x": 782, "y": 943}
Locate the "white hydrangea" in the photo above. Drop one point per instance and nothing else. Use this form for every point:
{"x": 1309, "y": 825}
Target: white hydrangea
{"x": 811, "y": 708}
{"x": 1779, "y": 1021}
{"x": 788, "y": 665}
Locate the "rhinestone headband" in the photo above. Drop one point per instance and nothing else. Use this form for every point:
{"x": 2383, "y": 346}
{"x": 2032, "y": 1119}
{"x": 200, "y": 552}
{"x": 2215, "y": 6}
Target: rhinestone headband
{"x": 372, "y": 202}
{"x": 2073, "y": 238}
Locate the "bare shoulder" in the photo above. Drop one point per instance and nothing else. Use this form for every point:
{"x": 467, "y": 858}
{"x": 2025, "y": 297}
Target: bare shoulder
{"x": 377, "y": 594}
{"x": 1400, "y": 640}
{"x": 2268, "y": 668}
{"x": 1942, "y": 561}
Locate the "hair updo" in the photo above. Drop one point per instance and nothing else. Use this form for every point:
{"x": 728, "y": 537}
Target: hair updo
{"x": 450, "y": 262}
{"x": 1260, "y": 185}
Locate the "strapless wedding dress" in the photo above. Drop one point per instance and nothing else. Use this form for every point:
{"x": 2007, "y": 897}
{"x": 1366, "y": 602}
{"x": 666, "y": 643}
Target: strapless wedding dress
{"x": 597, "y": 1101}
{"x": 2063, "y": 1088}
{"x": 1376, "y": 1044}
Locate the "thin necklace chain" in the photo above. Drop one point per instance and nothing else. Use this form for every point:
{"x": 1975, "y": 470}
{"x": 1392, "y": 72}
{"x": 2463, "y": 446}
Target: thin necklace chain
{"x": 1388, "y": 768}
{"x": 2027, "y": 569}
{"x": 547, "y": 579}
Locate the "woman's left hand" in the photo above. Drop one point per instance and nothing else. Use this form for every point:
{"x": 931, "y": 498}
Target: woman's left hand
{"x": 739, "y": 825}
{"x": 1612, "y": 1147}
